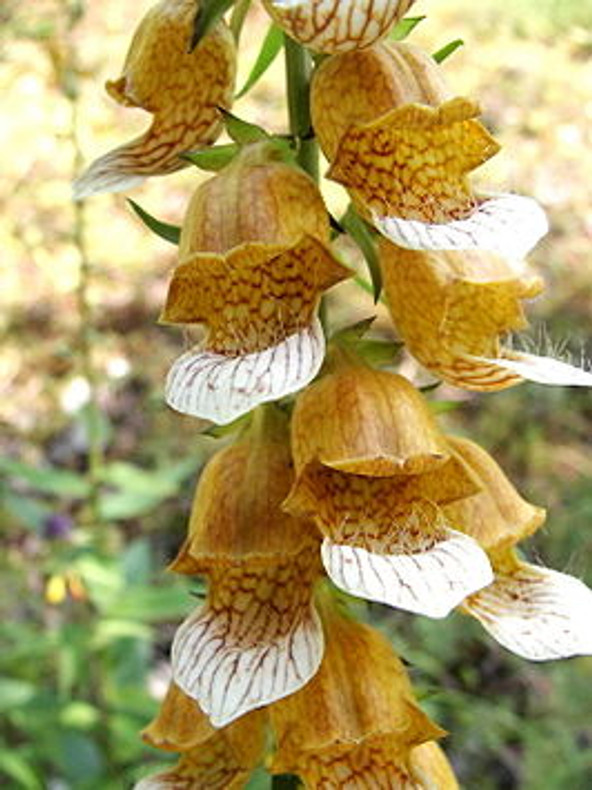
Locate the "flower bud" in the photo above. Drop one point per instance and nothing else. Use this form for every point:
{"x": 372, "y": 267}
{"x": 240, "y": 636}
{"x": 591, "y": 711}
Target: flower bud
{"x": 256, "y": 198}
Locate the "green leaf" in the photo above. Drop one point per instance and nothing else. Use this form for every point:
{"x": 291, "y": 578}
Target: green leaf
{"x": 259, "y": 780}
{"x": 212, "y": 159}
{"x": 150, "y": 604}
{"x": 242, "y": 131}
{"x": 209, "y": 12}
{"x": 379, "y": 353}
{"x": 218, "y": 431}
{"x": 270, "y": 49}
{"x": 111, "y": 630}
{"x": 18, "y": 768}
{"x": 443, "y": 406}
{"x": 136, "y": 561}
{"x": 48, "y": 480}
{"x": 78, "y": 757}
{"x": 446, "y": 51}
{"x": 403, "y": 28}
{"x": 361, "y": 234}
{"x": 139, "y": 490}
{"x": 79, "y": 715}
{"x": 354, "y": 332}
{"x": 24, "y": 510}
{"x": 14, "y": 693}
{"x": 166, "y": 231}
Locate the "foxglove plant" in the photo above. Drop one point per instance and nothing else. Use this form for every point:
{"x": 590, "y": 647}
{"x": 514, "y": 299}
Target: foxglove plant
{"x": 337, "y": 479}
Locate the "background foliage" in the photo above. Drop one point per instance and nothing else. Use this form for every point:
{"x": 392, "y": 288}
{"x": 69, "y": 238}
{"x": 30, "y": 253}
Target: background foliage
{"x": 97, "y": 475}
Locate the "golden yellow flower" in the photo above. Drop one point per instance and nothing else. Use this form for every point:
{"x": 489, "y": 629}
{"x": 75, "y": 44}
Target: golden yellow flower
{"x": 398, "y": 74}
{"x": 257, "y": 288}
{"x": 538, "y": 613}
{"x": 452, "y": 310}
{"x": 182, "y": 89}
{"x": 210, "y": 758}
{"x": 373, "y": 472}
{"x": 258, "y": 636}
{"x": 406, "y": 163}
{"x": 356, "y": 723}
{"x": 337, "y": 25}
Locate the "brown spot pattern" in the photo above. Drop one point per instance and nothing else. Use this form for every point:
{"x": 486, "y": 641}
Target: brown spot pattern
{"x": 412, "y": 163}
{"x": 253, "y": 297}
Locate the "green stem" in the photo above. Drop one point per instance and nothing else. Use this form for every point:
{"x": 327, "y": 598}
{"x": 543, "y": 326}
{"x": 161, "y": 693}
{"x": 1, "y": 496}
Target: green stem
{"x": 298, "y": 73}
{"x": 69, "y": 79}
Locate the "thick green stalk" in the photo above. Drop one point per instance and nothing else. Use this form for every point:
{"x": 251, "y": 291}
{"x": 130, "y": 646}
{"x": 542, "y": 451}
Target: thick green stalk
{"x": 298, "y": 73}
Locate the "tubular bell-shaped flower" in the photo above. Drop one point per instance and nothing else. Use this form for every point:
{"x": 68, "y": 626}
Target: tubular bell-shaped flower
{"x": 373, "y": 472}
{"x": 258, "y": 636}
{"x": 451, "y": 309}
{"x": 356, "y": 724}
{"x": 406, "y": 167}
{"x": 181, "y": 87}
{"x": 254, "y": 262}
{"x": 337, "y": 25}
{"x": 538, "y": 613}
{"x": 215, "y": 759}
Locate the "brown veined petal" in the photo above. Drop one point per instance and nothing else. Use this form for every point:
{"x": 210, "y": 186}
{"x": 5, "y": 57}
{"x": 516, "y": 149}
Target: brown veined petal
{"x": 361, "y": 86}
{"x": 182, "y": 89}
{"x": 254, "y": 296}
{"x": 256, "y": 198}
{"x": 222, "y": 762}
{"x": 430, "y": 768}
{"x": 413, "y": 162}
{"x": 360, "y": 697}
{"x": 497, "y": 517}
{"x": 451, "y": 309}
{"x": 222, "y": 388}
{"x": 537, "y": 613}
{"x": 381, "y": 547}
{"x": 430, "y": 581}
{"x": 257, "y": 639}
{"x": 236, "y": 510}
{"x": 508, "y": 225}
{"x": 367, "y": 422}
{"x": 337, "y": 25}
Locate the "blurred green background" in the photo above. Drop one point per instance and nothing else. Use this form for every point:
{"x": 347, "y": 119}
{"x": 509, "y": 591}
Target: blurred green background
{"x": 96, "y": 474}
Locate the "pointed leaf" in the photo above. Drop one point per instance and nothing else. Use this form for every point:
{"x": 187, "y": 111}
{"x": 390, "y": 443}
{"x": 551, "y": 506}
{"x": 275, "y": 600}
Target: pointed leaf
{"x": 378, "y": 353}
{"x": 270, "y": 49}
{"x": 163, "y": 229}
{"x": 49, "y": 480}
{"x": 354, "y": 331}
{"x": 242, "y": 131}
{"x": 446, "y": 51}
{"x": 214, "y": 158}
{"x": 358, "y": 230}
{"x": 210, "y": 12}
{"x": 403, "y": 28}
